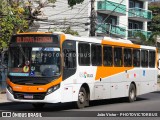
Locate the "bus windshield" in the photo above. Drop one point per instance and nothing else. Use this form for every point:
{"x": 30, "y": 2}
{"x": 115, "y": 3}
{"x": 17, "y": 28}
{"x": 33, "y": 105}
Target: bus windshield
{"x": 34, "y": 61}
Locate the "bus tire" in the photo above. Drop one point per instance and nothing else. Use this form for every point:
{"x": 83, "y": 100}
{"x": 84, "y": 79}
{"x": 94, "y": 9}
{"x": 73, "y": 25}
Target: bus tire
{"x": 132, "y": 93}
{"x": 38, "y": 105}
{"x": 82, "y": 98}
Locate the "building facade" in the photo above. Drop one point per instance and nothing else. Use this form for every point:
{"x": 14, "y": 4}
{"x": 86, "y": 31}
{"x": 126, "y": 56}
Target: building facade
{"x": 130, "y": 17}
{"x": 116, "y": 18}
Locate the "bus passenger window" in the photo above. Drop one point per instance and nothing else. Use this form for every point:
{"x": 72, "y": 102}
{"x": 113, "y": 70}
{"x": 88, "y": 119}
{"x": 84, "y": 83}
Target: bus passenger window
{"x": 69, "y": 58}
{"x": 127, "y": 57}
{"x": 108, "y": 56}
{"x": 117, "y": 57}
{"x": 144, "y": 58}
{"x": 96, "y": 55}
{"x": 136, "y": 57}
{"x": 84, "y": 54}
{"x": 152, "y": 59}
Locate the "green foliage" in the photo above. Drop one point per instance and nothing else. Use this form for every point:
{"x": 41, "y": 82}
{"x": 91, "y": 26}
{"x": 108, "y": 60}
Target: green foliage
{"x": 141, "y": 37}
{"x": 12, "y": 20}
{"x": 154, "y": 25}
{"x": 71, "y": 3}
{"x": 152, "y": 40}
{"x": 52, "y": 1}
{"x": 70, "y": 31}
{"x": 67, "y": 31}
{"x": 15, "y": 16}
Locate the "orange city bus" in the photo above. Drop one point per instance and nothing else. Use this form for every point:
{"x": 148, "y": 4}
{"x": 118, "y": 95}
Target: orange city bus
{"x": 57, "y": 68}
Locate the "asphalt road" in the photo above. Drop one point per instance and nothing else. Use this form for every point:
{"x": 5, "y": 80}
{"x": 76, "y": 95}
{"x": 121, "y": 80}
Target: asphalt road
{"x": 147, "y": 102}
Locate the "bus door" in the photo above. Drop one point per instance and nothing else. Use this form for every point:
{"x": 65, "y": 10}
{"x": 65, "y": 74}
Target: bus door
{"x": 69, "y": 68}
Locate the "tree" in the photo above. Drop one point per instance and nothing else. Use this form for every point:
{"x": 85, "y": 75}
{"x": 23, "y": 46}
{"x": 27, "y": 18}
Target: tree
{"x": 18, "y": 15}
{"x": 68, "y": 30}
{"x": 152, "y": 40}
{"x": 154, "y": 25}
{"x": 12, "y": 20}
{"x": 142, "y": 38}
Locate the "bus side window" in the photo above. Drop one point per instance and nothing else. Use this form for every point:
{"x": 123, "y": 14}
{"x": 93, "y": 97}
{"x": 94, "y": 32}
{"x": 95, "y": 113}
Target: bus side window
{"x": 144, "y": 58}
{"x": 107, "y": 56}
{"x": 84, "y": 54}
{"x": 118, "y": 56}
{"x": 152, "y": 59}
{"x": 127, "y": 57}
{"x": 136, "y": 57}
{"x": 96, "y": 55}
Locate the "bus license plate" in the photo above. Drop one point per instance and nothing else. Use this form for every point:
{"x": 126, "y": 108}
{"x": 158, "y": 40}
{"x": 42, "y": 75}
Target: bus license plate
{"x": 26, "y": 96}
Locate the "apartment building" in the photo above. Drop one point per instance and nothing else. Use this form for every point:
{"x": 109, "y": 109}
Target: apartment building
{"x": 116, "y": 18}
{"x": 130, "y": 17}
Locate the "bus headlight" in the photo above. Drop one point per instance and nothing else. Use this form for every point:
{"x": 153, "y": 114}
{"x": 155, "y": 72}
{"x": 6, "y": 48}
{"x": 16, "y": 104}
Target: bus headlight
{"x": 52, "y": 89}
{"x": 10, "y": 89}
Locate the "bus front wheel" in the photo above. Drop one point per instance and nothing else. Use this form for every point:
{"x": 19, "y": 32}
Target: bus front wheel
{"x": 83, "y": 99}
{"x": 132, "y": 93}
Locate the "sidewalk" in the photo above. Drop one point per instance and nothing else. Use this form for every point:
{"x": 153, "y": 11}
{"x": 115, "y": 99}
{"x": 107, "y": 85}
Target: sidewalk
{"x": 3, "y": 98}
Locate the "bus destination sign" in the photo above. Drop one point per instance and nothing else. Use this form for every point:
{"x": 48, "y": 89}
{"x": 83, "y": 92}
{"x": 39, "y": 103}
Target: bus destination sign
{"x": 38, "y": 39}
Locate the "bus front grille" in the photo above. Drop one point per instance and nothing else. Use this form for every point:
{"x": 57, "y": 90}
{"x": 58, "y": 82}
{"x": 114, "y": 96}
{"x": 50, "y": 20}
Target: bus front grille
{"x": 29, "y": 96}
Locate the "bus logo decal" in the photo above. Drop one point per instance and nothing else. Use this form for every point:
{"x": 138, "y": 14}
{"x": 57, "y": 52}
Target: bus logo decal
{"x": 85, "y": 75}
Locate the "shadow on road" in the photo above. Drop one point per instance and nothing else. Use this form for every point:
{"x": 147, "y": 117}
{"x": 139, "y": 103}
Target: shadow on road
{"x": 61, "y": 106}
{"x": 113, "y": 101}
{"x": 156, "y": 92}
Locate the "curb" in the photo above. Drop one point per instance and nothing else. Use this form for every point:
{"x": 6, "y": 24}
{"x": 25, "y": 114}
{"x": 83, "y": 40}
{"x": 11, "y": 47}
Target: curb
{"x": 7, "y": 102}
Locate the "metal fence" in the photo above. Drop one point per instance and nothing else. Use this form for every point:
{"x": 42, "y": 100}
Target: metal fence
{"x": 3, "y": 75}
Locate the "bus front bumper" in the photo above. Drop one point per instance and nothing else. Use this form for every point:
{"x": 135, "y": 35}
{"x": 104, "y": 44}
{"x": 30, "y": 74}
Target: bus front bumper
{"x": 54, "y": 97}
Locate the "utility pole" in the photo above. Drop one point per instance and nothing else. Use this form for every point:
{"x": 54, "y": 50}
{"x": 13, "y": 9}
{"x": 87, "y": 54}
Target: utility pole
{"x": 92, "y": 19}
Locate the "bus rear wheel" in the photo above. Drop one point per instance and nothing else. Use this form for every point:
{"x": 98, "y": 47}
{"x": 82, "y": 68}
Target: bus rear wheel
{"x": 132, "y": 93}
{"x": 38, "y": 106}
{"x": 83, "y": 98}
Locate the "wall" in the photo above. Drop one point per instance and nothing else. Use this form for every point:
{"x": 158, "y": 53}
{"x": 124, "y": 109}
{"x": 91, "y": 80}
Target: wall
{"x": 63, "y": 16}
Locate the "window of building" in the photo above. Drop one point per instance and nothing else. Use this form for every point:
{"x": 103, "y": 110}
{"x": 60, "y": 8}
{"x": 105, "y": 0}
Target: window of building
{"x": 130, "y": 25}
{"x": 84, "y": 54}
{"x": 136, "y": 26}
{"x": 127, "y": 57}
{"x": 152, "y": 59}
{"x": 136, "y": 57}
{"x": 117, "y": 56}
{"x": 144, "y": 58}
{"x": 107, "y": 56}
{"x": 131, "y": 4}
{"x": 96, "y": 55}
